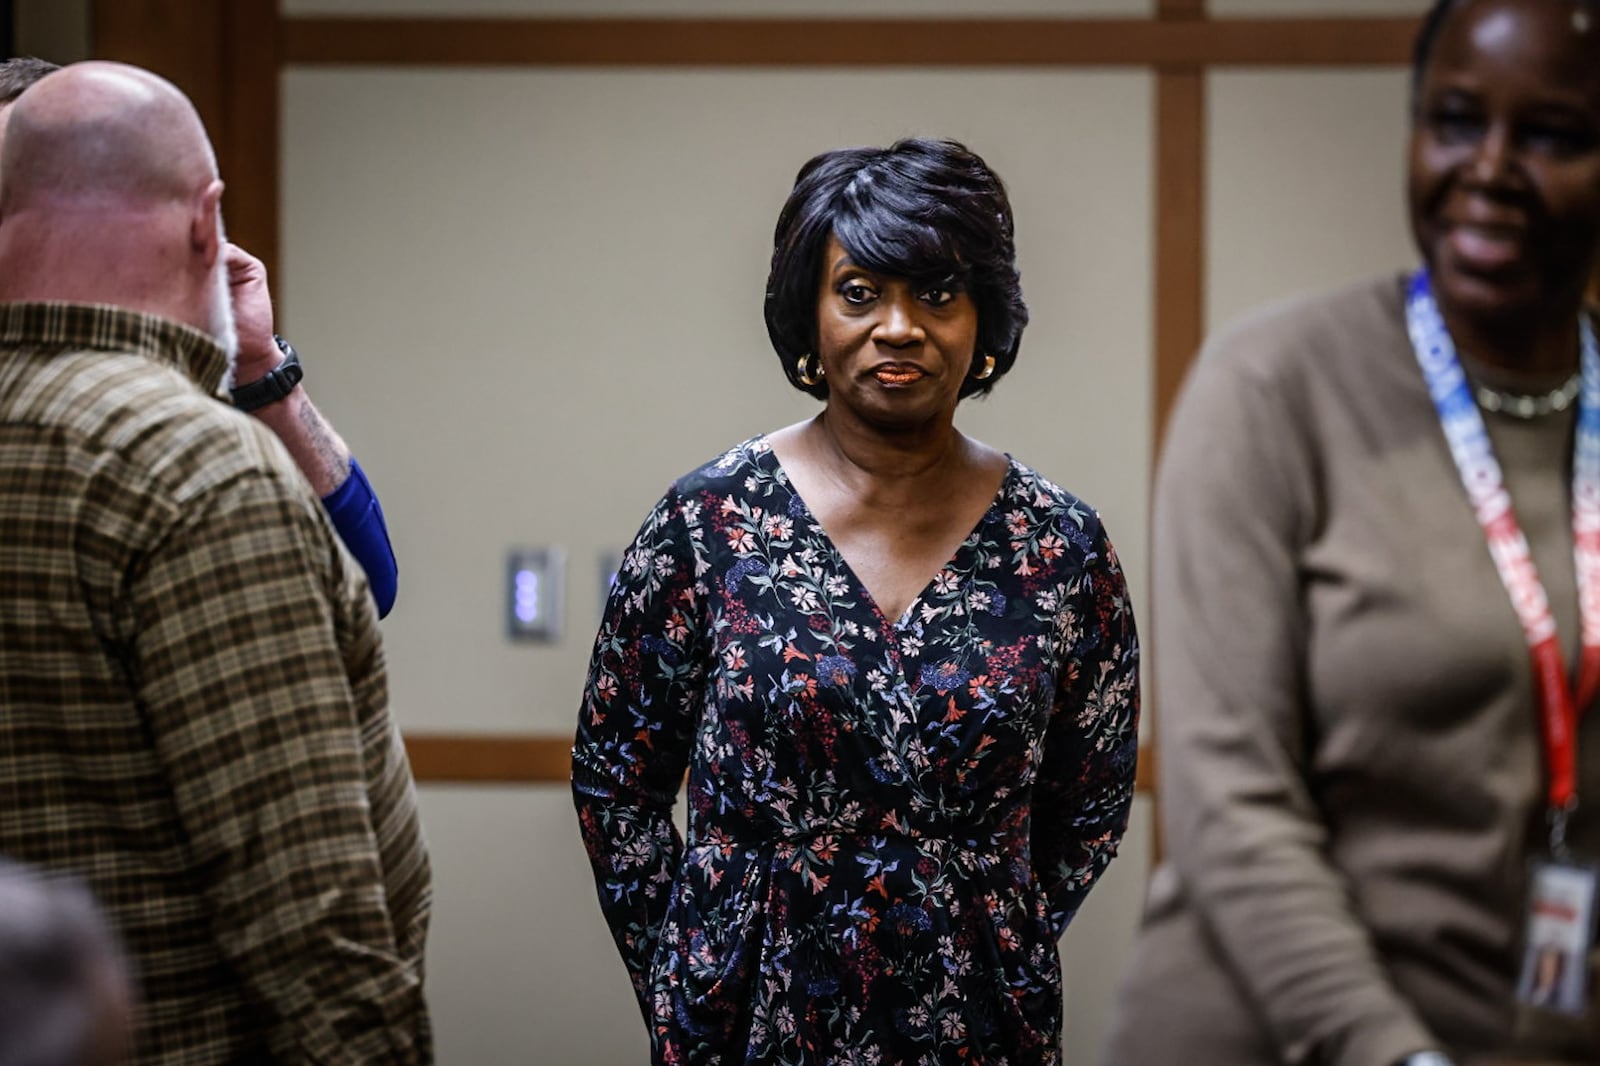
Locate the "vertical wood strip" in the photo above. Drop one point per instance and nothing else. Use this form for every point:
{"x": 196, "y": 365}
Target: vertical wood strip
{"x": 225, "y": 55}
{"x": 1180, "y": 231}
{"x": 1179, "y": 299}
{"x": 178, "y": 39}
{"x": 247, "y": 133}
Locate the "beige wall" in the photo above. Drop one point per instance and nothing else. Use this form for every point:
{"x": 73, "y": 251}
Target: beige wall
{"x": 1305, "y": 182}
{"x": 532, "y": 297}
{"x": 555, "y": 279}
{"x": 529, "y": 299}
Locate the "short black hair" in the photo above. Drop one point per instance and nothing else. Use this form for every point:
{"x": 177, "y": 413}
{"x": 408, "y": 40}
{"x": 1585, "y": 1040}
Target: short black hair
{"x": 19, "y": 73}
{"x": 1433, "y": 24}
{"x": 1427, "y": 37}
{"x": 922, "y": 209}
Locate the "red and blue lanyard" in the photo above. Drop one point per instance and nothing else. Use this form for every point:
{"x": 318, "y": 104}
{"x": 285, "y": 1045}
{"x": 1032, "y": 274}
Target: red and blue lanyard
{"x": 1481, "y": 476}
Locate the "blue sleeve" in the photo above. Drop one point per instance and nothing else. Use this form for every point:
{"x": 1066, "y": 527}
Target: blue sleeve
{"x": 353, "y": 506}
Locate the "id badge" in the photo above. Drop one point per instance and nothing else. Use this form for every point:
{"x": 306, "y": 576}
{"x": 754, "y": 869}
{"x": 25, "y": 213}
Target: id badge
{"x": 1559, "y": 930}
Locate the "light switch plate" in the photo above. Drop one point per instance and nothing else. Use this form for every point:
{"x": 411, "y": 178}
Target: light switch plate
{"x": 534, "y": 579}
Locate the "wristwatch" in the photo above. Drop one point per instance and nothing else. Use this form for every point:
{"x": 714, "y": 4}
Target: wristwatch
{"x": 278, "y": 383}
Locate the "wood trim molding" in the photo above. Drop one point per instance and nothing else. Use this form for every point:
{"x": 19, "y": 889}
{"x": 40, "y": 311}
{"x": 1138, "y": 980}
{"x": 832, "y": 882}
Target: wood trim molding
{"x": 532, "y": 759}
{"x": 515, "y": 759}
{"x": 848, "y": 42}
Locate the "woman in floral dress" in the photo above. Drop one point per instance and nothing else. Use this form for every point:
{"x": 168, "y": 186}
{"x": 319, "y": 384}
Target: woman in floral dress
{"x": 898, "y": 666}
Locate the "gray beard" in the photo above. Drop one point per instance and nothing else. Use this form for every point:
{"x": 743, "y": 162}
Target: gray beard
{"x": 219, "y": 320}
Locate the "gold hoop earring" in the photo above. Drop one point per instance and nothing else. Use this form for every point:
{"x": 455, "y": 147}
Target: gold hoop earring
{"x": 988, "y": 369}
{"x": 803, "y": 371}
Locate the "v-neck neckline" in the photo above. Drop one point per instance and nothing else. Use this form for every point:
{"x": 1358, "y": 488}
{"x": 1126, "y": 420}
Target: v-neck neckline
{"x": 893, "y": 625}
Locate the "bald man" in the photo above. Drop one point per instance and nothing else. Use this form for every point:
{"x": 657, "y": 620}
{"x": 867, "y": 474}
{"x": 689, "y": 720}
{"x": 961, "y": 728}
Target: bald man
{"x": 193, "y": 709}
{"x": 267, "y": 383}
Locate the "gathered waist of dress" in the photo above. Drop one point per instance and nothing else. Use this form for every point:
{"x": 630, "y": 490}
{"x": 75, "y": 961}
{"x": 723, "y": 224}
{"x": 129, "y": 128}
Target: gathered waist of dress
{"x": 978, "y": 837}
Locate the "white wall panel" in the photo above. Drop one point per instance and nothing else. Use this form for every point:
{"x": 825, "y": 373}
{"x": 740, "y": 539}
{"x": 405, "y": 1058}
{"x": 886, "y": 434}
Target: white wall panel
{"x": 1100, "y": 939}
{"x": 1305, "y": 187}
{"x": 521, "y": 968}
{"x": 531, "y": 299}
{"x": 724, "y": 8}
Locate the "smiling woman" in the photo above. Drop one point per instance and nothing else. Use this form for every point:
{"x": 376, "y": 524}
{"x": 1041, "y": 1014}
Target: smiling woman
{"x": 1505, "y": 168}
{"x": 899, "y": 666}
{"x": 1375, "y": 553}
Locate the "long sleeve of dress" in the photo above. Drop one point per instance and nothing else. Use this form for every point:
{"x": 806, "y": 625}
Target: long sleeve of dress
{"x": 1235, "y": 504}
{"x": 1086, "y": 778}
{"x": 636, "y": 725}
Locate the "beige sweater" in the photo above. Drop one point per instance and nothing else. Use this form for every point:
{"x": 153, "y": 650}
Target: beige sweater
{"x": 1351, "y": 776}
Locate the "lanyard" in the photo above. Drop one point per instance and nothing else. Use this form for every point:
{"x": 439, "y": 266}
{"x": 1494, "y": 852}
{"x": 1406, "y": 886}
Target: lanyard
{"x": 1508, "y": 546}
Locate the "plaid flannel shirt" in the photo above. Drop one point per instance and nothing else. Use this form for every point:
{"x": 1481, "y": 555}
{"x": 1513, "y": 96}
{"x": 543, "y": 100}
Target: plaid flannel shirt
{"x": 193, "y": 711}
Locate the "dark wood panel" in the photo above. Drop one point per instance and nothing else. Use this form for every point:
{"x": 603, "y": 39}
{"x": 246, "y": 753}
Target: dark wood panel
{"x": 525, "y": 759}
{"x": 247, "y": 134}
{"x": 1180, "y": 229}
{"x": 848, "y": 42}
{"x": 225, "y": 56}
{"x": 179, "y": 39}
{"x": 1179, "y": 287}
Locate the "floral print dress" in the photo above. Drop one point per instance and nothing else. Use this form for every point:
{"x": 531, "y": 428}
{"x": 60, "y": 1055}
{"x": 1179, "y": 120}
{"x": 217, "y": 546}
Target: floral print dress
{"x": 890, "y": 821}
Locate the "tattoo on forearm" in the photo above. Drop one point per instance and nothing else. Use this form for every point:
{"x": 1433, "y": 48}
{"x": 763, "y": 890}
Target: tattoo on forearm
{"x": 329, "y": 450}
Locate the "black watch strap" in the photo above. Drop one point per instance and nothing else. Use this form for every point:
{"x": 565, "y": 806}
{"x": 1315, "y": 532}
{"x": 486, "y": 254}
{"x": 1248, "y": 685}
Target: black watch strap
{"x": 278, "y": 383}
